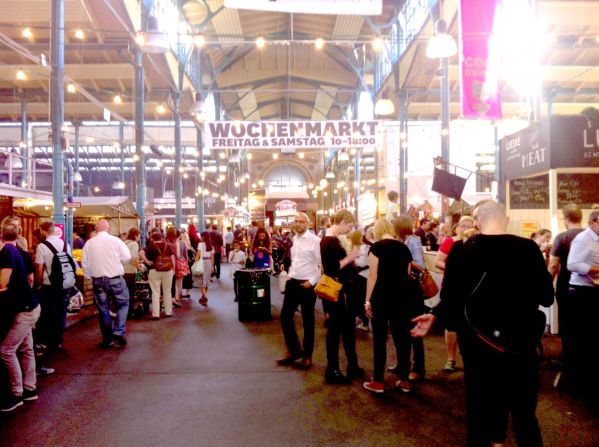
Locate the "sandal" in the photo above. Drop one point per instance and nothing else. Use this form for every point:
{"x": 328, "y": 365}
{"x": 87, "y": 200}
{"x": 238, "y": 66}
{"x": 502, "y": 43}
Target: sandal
{"x": 204, "y": 301}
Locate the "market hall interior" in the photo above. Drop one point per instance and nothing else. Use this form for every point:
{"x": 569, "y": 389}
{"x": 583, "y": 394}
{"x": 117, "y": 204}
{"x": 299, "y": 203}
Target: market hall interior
{"x": 202, "y": 378}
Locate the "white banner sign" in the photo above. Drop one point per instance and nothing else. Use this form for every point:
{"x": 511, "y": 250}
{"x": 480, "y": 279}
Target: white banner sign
{"x": 344, "y": 7}
{"x": 296, "y": 134}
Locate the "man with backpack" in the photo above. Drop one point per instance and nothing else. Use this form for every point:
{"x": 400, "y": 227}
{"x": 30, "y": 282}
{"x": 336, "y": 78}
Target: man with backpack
{"x": 102, "y": 260}
{"x": 54, "y": 277}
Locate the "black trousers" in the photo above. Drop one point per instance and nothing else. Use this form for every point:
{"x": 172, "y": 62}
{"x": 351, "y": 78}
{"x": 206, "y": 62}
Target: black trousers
{"x": 298, "y": 296}
{"x": 401, "y": 339}
{"x": 53, "y": 317}
{"x": 581, "y": 343}
{"x": 497, "y": 385}
{"x": 341, "y": 324}
{"x": 216, "y": 270}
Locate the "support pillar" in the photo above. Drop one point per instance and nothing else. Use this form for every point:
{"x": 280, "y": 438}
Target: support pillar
{"x": 122, "y": 147}
{"x": 57, "y": 107}
{"x": 140, "y": 168}
{"x": 76, "y": 150}
{"x": 200, "y": 196}
{"x": 445, "y": 125}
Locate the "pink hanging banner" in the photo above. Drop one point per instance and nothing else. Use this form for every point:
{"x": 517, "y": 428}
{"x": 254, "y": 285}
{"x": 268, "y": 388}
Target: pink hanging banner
{"x": 479, "y": 75}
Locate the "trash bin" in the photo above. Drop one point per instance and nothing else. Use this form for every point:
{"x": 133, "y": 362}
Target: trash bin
{"x": 253, "y": 294}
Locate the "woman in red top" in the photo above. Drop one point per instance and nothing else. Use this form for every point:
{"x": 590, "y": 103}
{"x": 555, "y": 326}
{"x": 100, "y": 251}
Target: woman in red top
{"x": 465, "y": 225}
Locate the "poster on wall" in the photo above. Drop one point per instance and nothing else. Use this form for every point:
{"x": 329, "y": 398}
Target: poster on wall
{"x": 291, "y": 134}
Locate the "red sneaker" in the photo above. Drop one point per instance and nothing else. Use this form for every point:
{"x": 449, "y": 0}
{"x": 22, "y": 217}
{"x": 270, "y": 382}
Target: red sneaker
{"x": 404, "y": 386}
{"x": 374, "y": 386}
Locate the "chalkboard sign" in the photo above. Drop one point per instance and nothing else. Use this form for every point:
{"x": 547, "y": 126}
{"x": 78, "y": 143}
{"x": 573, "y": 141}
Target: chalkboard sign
{"x": 582, "y": 189}
{"x": 530, "y": 193}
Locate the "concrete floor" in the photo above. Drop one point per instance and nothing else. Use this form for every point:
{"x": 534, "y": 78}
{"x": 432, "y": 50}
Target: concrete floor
{"x": 204, "y": 379}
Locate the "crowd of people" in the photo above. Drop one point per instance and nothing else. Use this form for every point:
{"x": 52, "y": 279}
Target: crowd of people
{"x": 492, "y": 288}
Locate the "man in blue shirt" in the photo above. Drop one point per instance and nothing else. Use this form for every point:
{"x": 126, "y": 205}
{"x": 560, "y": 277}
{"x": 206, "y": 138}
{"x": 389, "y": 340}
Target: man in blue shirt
{"x": 17, "y": 297}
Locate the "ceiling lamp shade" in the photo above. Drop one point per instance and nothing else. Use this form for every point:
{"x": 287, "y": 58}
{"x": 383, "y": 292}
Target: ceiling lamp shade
{"x": 118, "y": 185}
{"x": 330, "y": 175}
{"x": 77, "y": 176}
{"x": 343, "y": 156}
{"x": 153, "y": 40}
{"x": 442, "y": 44}
{"x": 384, "y": 106}
{"x": 197, "y": 105}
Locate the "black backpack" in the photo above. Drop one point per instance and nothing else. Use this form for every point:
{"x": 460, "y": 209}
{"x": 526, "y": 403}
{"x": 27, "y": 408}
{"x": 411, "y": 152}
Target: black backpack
{"x": 62, "y": 274}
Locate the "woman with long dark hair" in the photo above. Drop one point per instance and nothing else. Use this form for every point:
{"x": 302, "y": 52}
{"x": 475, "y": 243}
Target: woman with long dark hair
{"x": 336, "y": 263}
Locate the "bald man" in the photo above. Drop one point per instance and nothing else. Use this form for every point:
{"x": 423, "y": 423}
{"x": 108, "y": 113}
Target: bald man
{"x": 304, "y": 273}
{"x": 493, "y": 285}
{"x": 102, "y": 261}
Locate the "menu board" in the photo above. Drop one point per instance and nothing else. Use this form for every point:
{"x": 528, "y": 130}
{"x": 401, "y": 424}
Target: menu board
{"x": 582, "y": 189}
{"x": 530, "y": 193}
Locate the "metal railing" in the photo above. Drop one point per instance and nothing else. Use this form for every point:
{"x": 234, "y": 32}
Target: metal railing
{"x": 23, "y": 172}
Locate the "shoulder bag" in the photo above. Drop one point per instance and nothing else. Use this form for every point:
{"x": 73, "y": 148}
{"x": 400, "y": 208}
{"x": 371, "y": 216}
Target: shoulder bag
{"x": 328, "y": 288}
{"x": 428, "y": 286}
{"x": 163, "y": 262}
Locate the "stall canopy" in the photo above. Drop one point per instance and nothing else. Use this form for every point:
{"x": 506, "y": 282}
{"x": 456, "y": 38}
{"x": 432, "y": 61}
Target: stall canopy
{"x": 106, "y": 207}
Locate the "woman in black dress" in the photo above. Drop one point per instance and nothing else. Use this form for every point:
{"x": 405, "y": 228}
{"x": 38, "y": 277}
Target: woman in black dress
{"x": 336, "y": 263}
{"x": 390, "y": 295}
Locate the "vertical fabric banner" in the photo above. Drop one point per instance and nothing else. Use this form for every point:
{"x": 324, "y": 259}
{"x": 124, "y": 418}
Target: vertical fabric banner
{"x": 479, "y": 75}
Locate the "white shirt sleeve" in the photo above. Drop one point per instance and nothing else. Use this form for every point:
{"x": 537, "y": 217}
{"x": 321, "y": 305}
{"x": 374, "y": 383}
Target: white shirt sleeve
{"x": 316, "y": 250}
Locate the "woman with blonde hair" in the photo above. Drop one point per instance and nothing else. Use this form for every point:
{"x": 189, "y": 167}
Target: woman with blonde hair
{"x": 388, "y": 301}
{"x": 336, "y": 263}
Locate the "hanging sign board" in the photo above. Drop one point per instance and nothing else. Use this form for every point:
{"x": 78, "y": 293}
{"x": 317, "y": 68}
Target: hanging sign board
{"x": 285, "y": 208}
{"x": 291, "y": 134}
{"x": 345, "y": 7}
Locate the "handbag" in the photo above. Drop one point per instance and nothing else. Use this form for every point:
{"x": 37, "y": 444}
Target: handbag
{"x": 428, "y": 286}
{"x": 162, "y": 263}
{"x": 328, "y": 289}
{"x": 197, "y": 268}
{"x": 181, "y": 265}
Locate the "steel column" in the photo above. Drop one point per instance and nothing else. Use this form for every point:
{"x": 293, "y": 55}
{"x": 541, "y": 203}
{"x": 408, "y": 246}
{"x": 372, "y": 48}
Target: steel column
{"x": 57, "y": 107}
{"x": 76, "y": 150}
{"x": 25, "y": 151}
{"x": 122, "y": 147}
{"x": 178, "y": 177}
{"x": 200, "y": 196}
{"x": 444, "y": 124}
{"x": 140, "y": 169}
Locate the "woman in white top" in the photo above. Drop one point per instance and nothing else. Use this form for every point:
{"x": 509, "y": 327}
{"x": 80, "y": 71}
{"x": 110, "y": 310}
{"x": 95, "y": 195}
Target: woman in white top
{"x": 203, "y": 280}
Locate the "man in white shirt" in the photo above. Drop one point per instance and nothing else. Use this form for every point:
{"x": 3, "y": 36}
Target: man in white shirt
{"x": 228, "y": 242}
{"x": 583, "y": 296}
{"x": 102, "y": 260}
{"x": 304, "y": 273}
{"x": 53, "y": 300}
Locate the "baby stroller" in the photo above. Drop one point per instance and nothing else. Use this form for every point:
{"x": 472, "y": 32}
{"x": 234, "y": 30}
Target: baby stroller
{"x": 140, "y": 302}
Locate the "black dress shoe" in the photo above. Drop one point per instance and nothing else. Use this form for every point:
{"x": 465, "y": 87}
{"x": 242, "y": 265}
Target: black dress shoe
{"x": 305, "y": 364}
{"x": 336, "y": 377}
{"x": 289, "y": 359}
{"x": 355, "y": 372}
{"x": 119, "y": 340}
{"x": 106, "y": 344}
